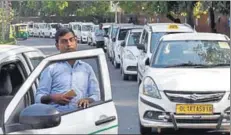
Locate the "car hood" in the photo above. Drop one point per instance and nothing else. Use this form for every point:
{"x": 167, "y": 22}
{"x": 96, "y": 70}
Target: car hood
{"x": 134, "y": 50}
{"x": 191, "y": 79}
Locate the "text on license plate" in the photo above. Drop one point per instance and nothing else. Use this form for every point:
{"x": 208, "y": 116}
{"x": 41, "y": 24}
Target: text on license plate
{"x": 194, "y": 109}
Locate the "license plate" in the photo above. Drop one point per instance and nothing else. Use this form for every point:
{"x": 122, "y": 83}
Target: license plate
{"x": 194, "y": 109}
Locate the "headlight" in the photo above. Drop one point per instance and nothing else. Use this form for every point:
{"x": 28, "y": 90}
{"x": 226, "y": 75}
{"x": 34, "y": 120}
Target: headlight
{"x": 129, "y": 55}
{"x": 150, "y": 88}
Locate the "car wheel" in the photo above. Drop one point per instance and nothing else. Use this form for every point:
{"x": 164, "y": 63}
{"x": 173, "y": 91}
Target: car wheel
{"x": 125, "y": 76}
{"x": 116, "y": 65}
{"x": 145, "y": 130}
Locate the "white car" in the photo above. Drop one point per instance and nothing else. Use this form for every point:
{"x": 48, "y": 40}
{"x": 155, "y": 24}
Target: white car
{"x": 120, "y": 36}
{"x": 50, "y": 30}
{"x": 76, "y": 27}
{"x": 38, "y": 30}
{"x": 150, "y": 37}
{"x": 112, "y": 32}
{"x": 85, "y": 28}
{"x": 19, "y": 114}
{"x": 129, "y": 53}
{"x": 187, "y": 84}
{"x": 91, "y": 35}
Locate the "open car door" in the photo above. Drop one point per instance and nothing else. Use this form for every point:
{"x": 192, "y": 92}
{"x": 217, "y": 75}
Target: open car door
{"x": 22, "y": 116}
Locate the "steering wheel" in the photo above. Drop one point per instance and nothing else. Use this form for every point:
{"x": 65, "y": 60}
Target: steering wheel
{"x": 174, "y": 61}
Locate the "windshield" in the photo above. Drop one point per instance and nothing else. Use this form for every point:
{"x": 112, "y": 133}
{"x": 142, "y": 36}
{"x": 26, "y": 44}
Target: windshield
{"x": 106, "y": 30}
{"x": 114, "y": 32}
{"x": 86, "y": 27}
{"x": 23, "y": 27}
{"x": 155, "y": 38}
{"x": 53, "y": 25}
{"x": 134, "y": 38}
{"x": 122, "y": 34}
{"x": 75, "y": 26}
{"x": 192, "y": 52}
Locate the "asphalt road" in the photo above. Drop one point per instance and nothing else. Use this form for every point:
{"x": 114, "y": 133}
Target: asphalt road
{"x": 125, "y": 93}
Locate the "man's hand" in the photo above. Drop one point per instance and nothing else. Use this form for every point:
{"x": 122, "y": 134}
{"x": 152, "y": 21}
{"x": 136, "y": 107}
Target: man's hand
{"x": 61, "y": 98}
{"x": 84, "y": 102}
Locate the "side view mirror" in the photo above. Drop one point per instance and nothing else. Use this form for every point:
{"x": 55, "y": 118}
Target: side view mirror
{"x": 140, "y": 46}
{"x": 113, "y": 39}
{"x": 40, "y": 116}
{"x": 123, "y": 44}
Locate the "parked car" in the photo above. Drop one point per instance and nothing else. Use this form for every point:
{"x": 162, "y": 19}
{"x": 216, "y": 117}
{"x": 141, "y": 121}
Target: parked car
{"x": 129, "y": 53}
{"x": 187, "y": 84}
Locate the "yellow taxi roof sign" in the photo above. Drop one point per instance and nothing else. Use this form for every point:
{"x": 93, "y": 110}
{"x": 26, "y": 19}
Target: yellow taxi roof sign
{"x": 173, "y": 26}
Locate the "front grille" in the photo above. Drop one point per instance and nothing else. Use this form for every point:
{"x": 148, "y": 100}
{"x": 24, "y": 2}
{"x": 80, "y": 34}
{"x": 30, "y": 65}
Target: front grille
{"x": 194, "y": 97}
{"x": 132, "y": 68}
{"x": 192, "y": 121}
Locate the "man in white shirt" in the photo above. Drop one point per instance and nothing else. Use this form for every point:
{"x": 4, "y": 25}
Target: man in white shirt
{"x": 99, "y": 37}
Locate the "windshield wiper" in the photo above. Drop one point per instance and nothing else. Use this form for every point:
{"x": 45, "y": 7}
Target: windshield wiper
{"x": 219, "y": 65}
{"x": 197, "y": 65}
{"x": 187, "y": 65}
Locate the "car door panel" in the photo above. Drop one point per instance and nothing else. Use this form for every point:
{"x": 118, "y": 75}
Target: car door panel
{"x": 75, "y": 123}
{"x": 92, "y": 120}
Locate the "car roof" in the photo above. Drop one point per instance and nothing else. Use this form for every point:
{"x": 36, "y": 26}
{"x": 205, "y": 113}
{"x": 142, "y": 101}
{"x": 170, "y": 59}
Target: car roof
{"x": 195, "y": 36}
{"x": 136, "y": 30}
{"x": 170, "y": 27}
{"x": 8, "y": 50}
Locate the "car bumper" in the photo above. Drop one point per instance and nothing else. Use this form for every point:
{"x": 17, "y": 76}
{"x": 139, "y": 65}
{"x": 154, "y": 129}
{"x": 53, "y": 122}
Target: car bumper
{"x": 164, "y": 115}
{"x": 130, "y": 66}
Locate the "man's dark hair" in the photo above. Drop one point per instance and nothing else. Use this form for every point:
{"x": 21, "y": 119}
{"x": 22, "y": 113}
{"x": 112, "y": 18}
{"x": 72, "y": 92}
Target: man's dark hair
{"x": 61, "y": 32}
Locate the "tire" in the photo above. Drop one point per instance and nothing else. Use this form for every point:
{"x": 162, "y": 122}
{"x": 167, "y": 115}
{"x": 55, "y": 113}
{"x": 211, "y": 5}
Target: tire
{"x": 145, "y": 130}
{"x": 116, "y": 65}
{"x": 124, "y": 76}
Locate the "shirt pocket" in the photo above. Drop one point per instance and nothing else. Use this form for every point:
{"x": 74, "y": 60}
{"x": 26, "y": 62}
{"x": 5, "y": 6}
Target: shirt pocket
{"x": 80, "y": 81}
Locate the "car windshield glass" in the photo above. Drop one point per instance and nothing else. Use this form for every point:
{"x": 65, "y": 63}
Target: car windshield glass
{"x": 134, "y": 38}
{"x": 86, "y": 27}
{"x": 53, "y": 25}
{"x": 192, "y": 53}
{"x": 106, "y": 30}
{"x": 114, "y": 32}
{"x": 154, "y": 39}
{"x": 122, "y": 34}
{"x": 75, "y": 26}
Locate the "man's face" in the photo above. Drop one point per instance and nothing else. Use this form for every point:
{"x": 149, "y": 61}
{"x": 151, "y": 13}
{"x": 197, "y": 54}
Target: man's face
{"x": 67, "y": 43}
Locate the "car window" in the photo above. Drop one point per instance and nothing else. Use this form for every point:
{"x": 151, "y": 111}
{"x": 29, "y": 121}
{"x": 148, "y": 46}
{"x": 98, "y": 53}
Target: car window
{"x": 134, "y": 38}
{"x": 195, "y": 52}
{"x": 154, "y": 40}
{"x": 86, "y": 27}
{"x": 143, "y": 36}
{"x": 12, "y": 76}
{"x": 106, "y": 30}
{"x": 35, "y": 61}
{"x": 122, "y": 34}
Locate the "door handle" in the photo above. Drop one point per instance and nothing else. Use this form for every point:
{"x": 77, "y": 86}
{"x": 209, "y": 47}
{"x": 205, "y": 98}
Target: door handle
{"x": 105, "y": 120}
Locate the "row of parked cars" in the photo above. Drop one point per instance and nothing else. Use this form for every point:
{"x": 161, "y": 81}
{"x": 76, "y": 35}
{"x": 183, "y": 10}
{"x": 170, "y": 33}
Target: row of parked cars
{"x": 85, "y": 31}
{"x": 182, "y": 75}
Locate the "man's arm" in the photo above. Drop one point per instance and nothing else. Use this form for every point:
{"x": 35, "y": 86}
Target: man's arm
{"x": 93, "y": 86}
{"x": 43, "y": 91}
